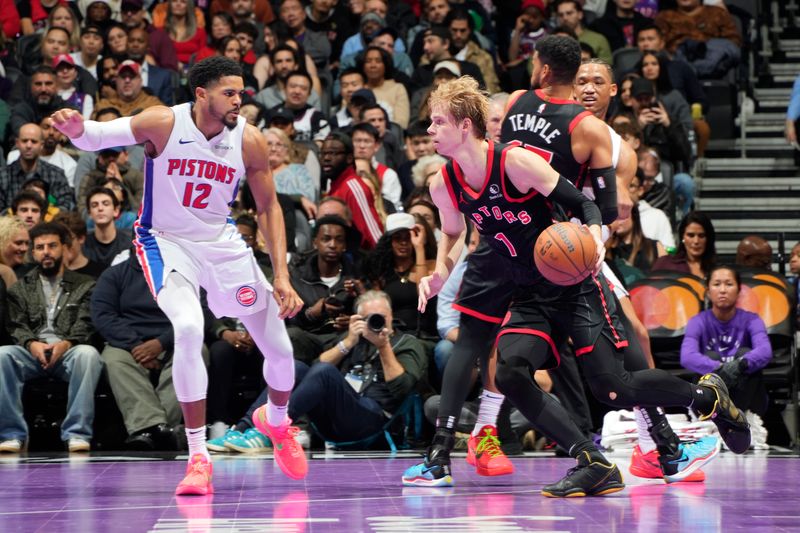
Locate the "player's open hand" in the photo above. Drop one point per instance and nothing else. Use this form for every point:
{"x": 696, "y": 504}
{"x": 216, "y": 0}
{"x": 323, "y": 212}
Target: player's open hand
{"x": 429, "y": 286}
{"x": 289, "y": 302}
{"x": 69, "y": 122}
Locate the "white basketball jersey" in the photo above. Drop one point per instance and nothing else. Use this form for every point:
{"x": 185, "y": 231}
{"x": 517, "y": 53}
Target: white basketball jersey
{"x": 190, "y": 186}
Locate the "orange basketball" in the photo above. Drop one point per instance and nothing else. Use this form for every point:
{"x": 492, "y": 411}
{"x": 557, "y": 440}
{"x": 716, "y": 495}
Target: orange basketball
{"x": 564, "y": 253}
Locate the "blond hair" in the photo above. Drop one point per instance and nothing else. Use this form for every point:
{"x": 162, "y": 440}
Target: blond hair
{"x": 9, "y": 226}
{"x": 463, "y": 99}
{"x": 282, "y": 137}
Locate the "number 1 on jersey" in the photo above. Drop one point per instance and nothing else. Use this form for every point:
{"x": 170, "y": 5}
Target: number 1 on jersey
{"x": 199, "y": 202}
{"x": 502, "y": 238}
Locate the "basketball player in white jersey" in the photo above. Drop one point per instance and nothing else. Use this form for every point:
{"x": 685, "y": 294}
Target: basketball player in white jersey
{"x": 196, "y": 155}
{"x": 594, "y": 87}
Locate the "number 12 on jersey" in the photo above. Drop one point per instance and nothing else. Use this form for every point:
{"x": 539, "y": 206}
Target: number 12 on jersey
{"x": 199, "y": 192}
{"x": 502, "y": 238}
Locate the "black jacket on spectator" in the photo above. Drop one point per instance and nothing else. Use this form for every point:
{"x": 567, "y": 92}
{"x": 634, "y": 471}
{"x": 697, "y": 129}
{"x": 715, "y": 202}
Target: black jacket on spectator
{"x": 105, "y": 253}
{"x": 124, "y": 311}
{"x": 27, "y": 310}
{"x": 613, "y": 27}
{"x": 672, "y": 143}
{"x": 24, "y": 112}
{"x": 306, "y": 281}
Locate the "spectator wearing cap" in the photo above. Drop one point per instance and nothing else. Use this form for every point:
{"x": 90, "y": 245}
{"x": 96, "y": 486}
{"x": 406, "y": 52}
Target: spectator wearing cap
{"x": 51, "y": 151}
{"x": 351, "y": 80}
{"x": 338, "y": 170}
{"x": 378, "y": 69}
{"x": 436, "y": 47}
{"x": 621, "y": 23}
{"x": 29, "y": 166}
{"x": 403, "y": 256}
{"x": 66, "y": 85}
{"x": 159, "y": 45}
{"x": 113, "y": 163}
{"x": 315, "y": 44}
{"x": 528, "y": 28}
{"x": 89, "y": 53}
{"x": 369, "y": 26}
{"x": 130, "y": 97}
{"x": 157, "y": 79}
{"x": 310, "y": 124}
{"x": 43, "y": 99}
{"x": 101, "y": 13}
{"x": 465, "y": 47}
{"x": 443, "y": 71}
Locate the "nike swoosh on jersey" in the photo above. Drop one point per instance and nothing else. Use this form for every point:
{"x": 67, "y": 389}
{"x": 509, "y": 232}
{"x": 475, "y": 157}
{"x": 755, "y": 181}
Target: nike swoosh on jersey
{"x": 181, "y": 141}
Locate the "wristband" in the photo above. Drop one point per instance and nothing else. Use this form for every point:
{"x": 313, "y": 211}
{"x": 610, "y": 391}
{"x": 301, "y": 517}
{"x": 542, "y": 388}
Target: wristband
{"x": 342, "y": 348}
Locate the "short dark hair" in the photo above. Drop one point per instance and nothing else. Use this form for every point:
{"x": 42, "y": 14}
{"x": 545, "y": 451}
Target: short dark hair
{"x": 222, "y": 44}
{"x": 28, "y": 196}
{"x": 249, "y": 221}
{"x": 559, "y": 30}
{"x": 366, "y": 127}
{"x": 576, "y": 3}
{"x": 562, "y": 55}
{"x": 73, "y": 221}
{"x": 51, "y": 28}
{"x": 418, "y": 128}
{"x": 343, "y": 138}
{"x": 645, "y": 26}
{"x": 329, "y": 219}
{"x": 437, "y": 30}
{"x": 208, "y": 71}
{"x": 370, "y": 107}
{"x": 49, "y": 228}
{"x": 736, "y": 275}
{"x": 386, "y": 58}
{"x": 304, "y": 74}
{"x": 459, "y": 13}
{"x": 587, "y": 48}
{"x": 44, "y": 69}
{"x": 285, "y": 48}
{"x": 350, "y": 71}
{"x": 101, "y": 190}
{"x": 248, "y": 28}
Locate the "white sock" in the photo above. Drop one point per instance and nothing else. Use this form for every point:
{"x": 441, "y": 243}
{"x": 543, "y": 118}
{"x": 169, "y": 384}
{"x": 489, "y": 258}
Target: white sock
{"x": 488, "y": 410}
{"x": 646, "y": 443}
{"x": 276, "y": 414}
{"x": 196, "y": 438}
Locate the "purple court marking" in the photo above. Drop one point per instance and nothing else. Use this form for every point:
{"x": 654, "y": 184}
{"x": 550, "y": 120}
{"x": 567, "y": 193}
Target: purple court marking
{"x": 105, "y": 494}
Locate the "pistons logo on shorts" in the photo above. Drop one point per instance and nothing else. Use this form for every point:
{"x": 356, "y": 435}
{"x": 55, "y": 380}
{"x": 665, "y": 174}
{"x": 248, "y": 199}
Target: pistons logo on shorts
{"x": 246, "y": 296}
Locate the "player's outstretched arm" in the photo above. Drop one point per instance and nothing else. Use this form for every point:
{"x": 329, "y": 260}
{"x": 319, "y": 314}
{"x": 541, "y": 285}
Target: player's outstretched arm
{"x": 450, "y": 245}
{"x": 153, "y": 125}
{"x": 270, "y": 218}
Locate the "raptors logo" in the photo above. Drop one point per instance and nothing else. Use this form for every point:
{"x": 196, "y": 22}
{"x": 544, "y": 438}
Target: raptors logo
{"x": 246, "y": 296}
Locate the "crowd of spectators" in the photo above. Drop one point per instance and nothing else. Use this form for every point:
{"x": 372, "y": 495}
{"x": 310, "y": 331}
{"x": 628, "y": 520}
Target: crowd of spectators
{"x": 340, "y": 91}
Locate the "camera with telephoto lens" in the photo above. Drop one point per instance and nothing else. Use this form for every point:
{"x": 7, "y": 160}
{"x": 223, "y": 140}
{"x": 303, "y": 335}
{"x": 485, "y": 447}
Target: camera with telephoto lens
{"x": 339, "y": 298}
{"x": 376, "y": 322}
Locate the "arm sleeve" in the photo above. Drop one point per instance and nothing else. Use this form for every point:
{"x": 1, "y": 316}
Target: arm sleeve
{"x": 761, "y": 354}
{"x": 692, "y": 358}
{"x": 565, "y": 193}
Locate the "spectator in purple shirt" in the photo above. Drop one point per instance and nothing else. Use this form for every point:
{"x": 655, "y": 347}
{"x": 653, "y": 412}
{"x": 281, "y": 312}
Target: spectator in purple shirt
{"x": 730, "y": 342}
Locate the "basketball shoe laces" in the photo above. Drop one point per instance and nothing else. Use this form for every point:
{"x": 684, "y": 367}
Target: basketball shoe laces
{"x": 199, "y": 469}
{"x": 287, "y": 438}
{"x": 489, "y": 444}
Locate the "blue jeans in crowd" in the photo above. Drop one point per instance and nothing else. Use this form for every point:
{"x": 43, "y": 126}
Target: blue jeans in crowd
{"x": 334, "y": 407}
{"x": 683, "y": 185}
{"x": 80, "y": 366}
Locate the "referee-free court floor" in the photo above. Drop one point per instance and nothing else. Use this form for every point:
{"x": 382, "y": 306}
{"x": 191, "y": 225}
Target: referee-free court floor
{"x": 351, "y": 492}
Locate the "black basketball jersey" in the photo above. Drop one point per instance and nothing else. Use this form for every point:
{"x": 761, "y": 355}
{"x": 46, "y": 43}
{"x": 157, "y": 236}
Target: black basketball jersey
{"x": 509, "y": 221}
{"x": 543, "y": 125}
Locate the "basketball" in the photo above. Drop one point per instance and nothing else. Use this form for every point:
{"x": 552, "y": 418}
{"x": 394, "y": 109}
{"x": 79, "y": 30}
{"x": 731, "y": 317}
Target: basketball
{"x": 564, "y": 253}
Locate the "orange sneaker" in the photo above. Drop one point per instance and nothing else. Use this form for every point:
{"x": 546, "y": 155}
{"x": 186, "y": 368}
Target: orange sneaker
{"x": 198, "y": 477}
{"x": 288, "y": 453}
{"x": 646, "y": 465}
{"x": 484, "y": 453}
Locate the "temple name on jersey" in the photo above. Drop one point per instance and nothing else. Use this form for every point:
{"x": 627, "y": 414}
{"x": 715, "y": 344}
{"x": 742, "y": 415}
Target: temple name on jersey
{"x": 498, "y": 214}
{"x": 201, "y": 169}
{"x": 535, "y": 124}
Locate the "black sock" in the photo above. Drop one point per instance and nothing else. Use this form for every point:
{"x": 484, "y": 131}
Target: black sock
{"x": 665, "y": 438}
{"x": 588, "y": 446}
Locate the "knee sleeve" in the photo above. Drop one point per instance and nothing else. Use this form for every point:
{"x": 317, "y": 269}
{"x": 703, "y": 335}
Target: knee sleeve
{"x": 180, "y": 302}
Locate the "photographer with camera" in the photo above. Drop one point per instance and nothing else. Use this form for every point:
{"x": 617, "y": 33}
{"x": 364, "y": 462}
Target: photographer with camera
{"x": 364, "y": 377}
{"x": 327, "y": 281}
